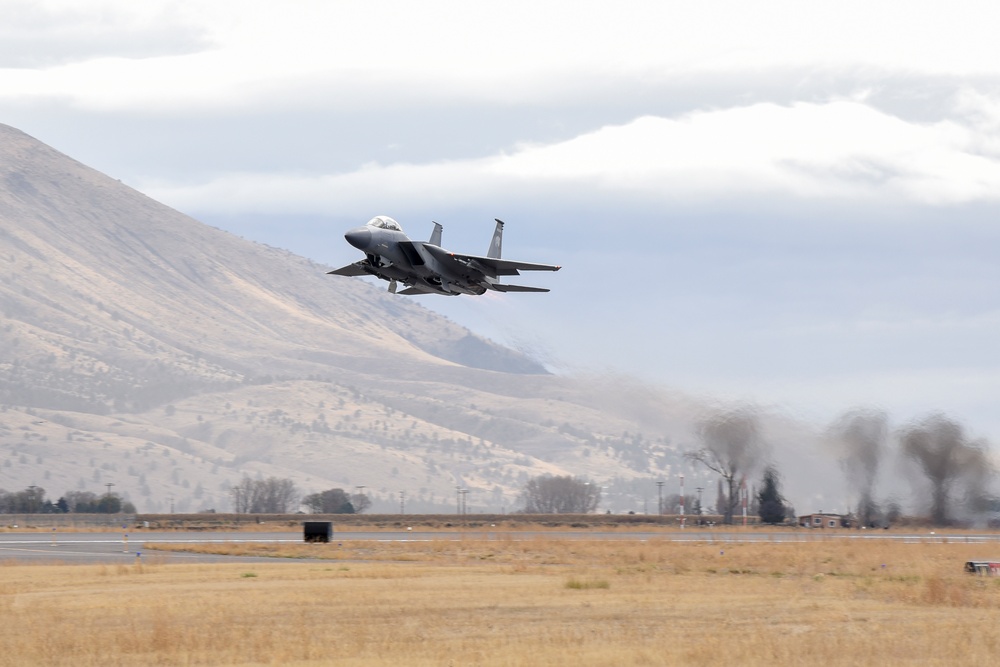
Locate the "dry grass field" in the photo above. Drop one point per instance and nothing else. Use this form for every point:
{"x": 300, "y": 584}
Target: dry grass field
{"x": 545, "y": 601}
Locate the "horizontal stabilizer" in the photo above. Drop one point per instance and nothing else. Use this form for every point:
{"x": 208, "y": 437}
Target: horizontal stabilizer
{"x": 349, "y": 270}
{"x": 490, "y": 266}
{"x": 517, "y": 288}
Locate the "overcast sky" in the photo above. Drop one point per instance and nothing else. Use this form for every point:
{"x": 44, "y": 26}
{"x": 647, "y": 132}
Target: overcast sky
{"x": 786, "y": 202}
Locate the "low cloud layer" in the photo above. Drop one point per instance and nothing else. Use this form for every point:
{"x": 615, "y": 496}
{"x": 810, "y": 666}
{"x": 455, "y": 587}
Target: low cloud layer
{"x": 839, "y": 150}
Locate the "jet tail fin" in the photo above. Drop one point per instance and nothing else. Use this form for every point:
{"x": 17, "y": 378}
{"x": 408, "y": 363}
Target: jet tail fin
{"x": 497, "y": 242}
{"x": 436, "y": 235}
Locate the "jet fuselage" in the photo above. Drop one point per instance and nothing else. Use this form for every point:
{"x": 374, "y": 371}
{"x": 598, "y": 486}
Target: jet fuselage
{"x": 427, "y": 268}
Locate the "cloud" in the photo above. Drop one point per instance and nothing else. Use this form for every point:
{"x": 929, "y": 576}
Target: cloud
{"x": 340, "y": 55}
{"x": 36, "y": 35}
{"x": 837, "y": 150}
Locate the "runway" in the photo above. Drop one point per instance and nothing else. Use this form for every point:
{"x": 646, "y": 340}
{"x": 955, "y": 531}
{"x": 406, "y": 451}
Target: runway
{"x": 126, "y": 547}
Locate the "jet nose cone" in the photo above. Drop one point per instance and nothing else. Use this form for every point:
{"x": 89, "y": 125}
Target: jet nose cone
{"x": 360, "y": 237}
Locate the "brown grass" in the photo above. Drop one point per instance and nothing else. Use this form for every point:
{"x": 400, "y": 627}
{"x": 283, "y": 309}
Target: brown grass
{"x": 509, "y": 602}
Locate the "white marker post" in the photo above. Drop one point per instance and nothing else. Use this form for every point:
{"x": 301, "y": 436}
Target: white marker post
{"x": 682, "y": 501}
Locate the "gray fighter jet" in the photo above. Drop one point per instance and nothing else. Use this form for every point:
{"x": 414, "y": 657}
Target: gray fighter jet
{"x": 424, "y": 267}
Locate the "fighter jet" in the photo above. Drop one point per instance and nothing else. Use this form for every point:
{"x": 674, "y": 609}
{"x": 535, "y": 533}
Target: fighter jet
{"x": 424, "y": 267}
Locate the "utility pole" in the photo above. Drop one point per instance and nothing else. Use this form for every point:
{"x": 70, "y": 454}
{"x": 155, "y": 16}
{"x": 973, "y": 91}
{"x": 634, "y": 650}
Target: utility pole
{"x": 659, "y": 494}
{"x": 109, "y": 485}
{"x": 402, "y": 505}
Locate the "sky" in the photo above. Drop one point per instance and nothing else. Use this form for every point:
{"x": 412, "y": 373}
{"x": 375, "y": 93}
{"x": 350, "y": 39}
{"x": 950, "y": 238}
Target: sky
{"x": 786, "y": 203}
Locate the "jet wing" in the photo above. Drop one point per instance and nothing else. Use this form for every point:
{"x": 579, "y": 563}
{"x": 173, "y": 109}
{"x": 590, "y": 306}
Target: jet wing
{"x": 410, "y": 291}
{"x": 517, "y": 288}
{"x": 490, "y": 266}
{"x": 350, "y": 270}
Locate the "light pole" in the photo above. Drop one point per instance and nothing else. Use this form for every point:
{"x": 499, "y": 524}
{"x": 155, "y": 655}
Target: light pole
{"x": 402, "y": 506}
{"x": 659, "y": 495}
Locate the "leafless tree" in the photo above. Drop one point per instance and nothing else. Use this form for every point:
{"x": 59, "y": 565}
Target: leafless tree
{"x": 730, "y": 447}
{"x": 244, "y": 496}
{"x": 361, "y": 502}
{"x": 955, "y": 467}
{"x": 860, "y": 436}
{"x": 560, "y": 495}
{"x": 264, "y": 496}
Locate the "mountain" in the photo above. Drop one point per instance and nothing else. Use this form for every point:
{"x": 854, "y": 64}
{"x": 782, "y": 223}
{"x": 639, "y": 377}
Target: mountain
{"x": 144, "y": 349}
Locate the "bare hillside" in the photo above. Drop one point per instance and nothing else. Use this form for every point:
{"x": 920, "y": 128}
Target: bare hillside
{"x": 142, "y": 348}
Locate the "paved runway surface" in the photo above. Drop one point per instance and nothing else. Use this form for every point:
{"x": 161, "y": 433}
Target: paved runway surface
{"x": 73, "y": 547}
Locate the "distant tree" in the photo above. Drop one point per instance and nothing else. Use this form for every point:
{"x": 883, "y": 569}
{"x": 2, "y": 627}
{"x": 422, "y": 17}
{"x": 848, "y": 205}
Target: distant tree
{"x": 672, "y": 504}
{"x": 110, "y": 503}
{"x": 29, "y": 501}
{"x": 264, "y": 496}
{"x": 893, "y": 511}
{"x": 954, "y": 466}
{"x": 244, "y": 496}
{"x": 860, "y": 436}
{"x": 280, "y": 496}
{"x": 721, "y": 500}
{"x": 81, "y": 501}
{"x": 730, "y": 447}
{"x": 331, "y": 501}
{"x": 361, "y": 502}
{"x": 560, "y": 495}
{"x": 771, "y": 506}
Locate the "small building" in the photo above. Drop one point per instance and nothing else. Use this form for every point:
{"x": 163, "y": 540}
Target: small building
{"x": 821, "y": 520}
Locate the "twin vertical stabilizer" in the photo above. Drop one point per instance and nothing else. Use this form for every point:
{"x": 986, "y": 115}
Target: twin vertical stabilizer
{"x": 497, "y": 242}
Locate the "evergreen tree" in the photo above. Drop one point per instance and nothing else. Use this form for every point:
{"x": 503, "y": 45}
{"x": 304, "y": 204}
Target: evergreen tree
{"x": 771, "y": 504}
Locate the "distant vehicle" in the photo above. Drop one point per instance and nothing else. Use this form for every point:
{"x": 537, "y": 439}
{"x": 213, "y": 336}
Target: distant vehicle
{"x": 424, "y": 267}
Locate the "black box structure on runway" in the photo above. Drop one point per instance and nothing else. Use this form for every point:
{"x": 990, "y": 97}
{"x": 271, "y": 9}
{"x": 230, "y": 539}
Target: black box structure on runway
{"x": 318, "y": 531}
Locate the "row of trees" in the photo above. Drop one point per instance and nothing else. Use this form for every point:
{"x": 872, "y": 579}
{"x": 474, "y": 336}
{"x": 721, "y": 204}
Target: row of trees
{"x": 279, "y": 496}
{"x": 560, "y": 495}
{"x": 33, "y": 500}
{"x": 264, "y": 496}
{"x": 953, "y": 473}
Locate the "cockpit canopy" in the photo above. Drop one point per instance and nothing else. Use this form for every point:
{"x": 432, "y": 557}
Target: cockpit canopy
{"x": 385, "y": 222}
